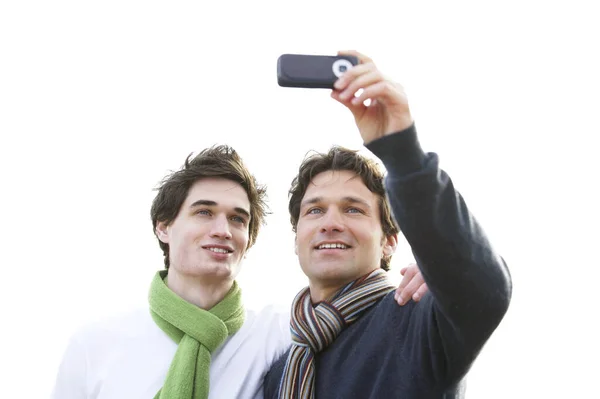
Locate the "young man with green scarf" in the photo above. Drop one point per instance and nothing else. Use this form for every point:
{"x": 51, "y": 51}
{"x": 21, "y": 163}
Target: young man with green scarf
{"x": 196, "y": 340}
{"x": 350, "y": 339}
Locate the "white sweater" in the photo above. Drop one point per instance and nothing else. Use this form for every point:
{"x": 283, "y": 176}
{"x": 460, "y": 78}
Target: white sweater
{"x": 128, "y": 358}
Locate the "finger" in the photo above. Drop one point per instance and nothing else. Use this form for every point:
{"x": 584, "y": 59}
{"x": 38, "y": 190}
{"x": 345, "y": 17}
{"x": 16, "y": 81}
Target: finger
{"x": 411, "y": 288}
{"x": 362, "y": 81}
{"x": 380, "y": 91}
{"x": 363, "y": 59}
{"x": 409, "y": 274}
{"x": 411, "y": 266}
{"x": 351, "y": 74}
{"x": 420, "y": 292}
{"x": 356, "y": 109}
{"x": 399, "y": 300}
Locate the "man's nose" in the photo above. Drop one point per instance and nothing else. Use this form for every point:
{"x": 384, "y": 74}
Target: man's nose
{"x": 332, "y": 222}
{"x": 220, "y": 227}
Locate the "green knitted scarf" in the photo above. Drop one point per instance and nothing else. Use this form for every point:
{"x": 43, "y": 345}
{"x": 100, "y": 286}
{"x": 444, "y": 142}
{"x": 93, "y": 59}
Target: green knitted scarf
{"x": 197, "y": 331}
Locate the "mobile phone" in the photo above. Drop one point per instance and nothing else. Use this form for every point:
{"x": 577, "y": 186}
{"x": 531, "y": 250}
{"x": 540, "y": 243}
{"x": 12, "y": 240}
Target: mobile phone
{"x": 312, "y": 71}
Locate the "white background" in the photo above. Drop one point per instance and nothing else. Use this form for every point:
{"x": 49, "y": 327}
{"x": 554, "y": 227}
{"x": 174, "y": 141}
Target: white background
{"x": 98, "y": 100}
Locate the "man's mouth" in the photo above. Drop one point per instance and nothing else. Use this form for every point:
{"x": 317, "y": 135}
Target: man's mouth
{"x": 219, "y": 250}
{"x": 336, "y": 245}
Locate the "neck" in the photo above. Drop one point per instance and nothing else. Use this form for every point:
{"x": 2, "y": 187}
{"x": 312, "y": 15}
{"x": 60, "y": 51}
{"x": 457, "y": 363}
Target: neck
{"x": 198, "y": 290}
{"x": 319, "y": 294}
{"x": 323, "y": 290}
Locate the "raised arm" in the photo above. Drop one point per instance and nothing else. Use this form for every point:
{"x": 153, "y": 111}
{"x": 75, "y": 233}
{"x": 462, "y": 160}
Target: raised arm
{"x": 468, "y": 280}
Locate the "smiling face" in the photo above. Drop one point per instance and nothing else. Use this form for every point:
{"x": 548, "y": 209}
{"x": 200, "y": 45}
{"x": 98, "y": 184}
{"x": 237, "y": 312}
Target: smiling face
{"x": 339, "y": 235}
{"x": 209, "y": 236}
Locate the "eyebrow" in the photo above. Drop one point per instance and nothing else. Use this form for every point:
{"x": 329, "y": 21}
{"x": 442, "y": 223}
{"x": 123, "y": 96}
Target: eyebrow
{"x": 348, "y": 199}
{"x": 213, "y": 203}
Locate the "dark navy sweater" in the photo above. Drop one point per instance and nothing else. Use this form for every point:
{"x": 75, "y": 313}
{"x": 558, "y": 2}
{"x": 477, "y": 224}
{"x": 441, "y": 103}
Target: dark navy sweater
{"x": 419, "y": 350}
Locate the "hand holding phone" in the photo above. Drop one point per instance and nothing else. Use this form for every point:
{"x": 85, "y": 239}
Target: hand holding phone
{"x": 312, "y": 71}
{"x": 379, "y": 105}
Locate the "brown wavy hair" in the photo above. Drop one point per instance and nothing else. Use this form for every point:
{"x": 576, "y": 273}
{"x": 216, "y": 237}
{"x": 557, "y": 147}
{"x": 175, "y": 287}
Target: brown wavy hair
{"x": 220, "y": 161}
{"x": 338, "y": 159}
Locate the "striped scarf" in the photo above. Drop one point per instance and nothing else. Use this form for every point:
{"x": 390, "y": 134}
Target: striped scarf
{"x": 315, "y": 328}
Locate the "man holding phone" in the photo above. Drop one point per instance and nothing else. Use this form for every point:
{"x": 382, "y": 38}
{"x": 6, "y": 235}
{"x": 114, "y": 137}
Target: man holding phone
{"x": 350, "y": 340}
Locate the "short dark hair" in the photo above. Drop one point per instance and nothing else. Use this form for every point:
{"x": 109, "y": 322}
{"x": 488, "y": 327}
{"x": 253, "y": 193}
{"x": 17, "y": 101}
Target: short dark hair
{"x": 340, "y": 158}
{"x": 220, "y": 161}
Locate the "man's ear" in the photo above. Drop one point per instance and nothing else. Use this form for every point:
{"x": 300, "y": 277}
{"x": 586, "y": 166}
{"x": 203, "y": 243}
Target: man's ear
{"x": 162, "y": 232}
{"x": 296, "y": 244}
{"x": 390, "y": 244}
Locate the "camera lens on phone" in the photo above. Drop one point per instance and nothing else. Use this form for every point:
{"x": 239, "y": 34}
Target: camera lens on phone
{"x": 340, "y": 66}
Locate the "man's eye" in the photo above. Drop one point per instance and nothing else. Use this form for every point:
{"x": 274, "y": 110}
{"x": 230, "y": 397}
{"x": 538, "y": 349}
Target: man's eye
{"x": 238, "y": 219}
